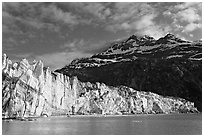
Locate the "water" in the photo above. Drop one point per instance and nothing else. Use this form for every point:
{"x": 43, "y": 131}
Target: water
{"x": 111, "y": 125}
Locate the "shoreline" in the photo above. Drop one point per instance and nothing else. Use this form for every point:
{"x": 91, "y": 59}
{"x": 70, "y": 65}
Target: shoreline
{"x": 86, "y": 116}
{"x": 126, "y": 115}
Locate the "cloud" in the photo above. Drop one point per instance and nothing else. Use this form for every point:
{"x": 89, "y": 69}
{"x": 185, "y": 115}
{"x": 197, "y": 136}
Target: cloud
{"x": 139, "y": 17}
{"x": 176, "y": 26}
{"x": 186, "y": 16}
{"x": 191, "y": 27}
{"x": 96, "y": 11}
{"x": 55, "y": 14}
{"x": 167, "y": 13}
{"x": 155, "y": 31}
{"x": 38, "y": 16}
{"x": 145, "y": 21}
{"x": 20, "y": 16}
{"x": 23, "y": 55}
{"x": 191, "y": 35}
{"x": 85, "y": 46}
{"x": 125, "y": 16}
{"x": 73, "y": 45}
{"x": 189, "y": 15}
{"x": 187, "y": 5}
{"x": 124, "y": 11}
{"x": 147, "y": 26}
{"x": 9, "y": 24}
{"x": 137, "y": 24}
{"x": 60, "y": 59}
{"x": 8, "y": 43}
{"x": 143, "y": 25}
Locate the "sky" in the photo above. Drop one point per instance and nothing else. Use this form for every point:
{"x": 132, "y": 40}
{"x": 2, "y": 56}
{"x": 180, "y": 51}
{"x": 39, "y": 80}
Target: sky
{"x": 57, "y": 33}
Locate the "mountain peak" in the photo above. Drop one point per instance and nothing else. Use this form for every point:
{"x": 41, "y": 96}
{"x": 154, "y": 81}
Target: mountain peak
{"x": 170, "y": 39}
{"x": 170, "y": 36}
{"x": 146, "y": 37}
{"x": 133, "y": 37}
{"x": 140, "y": 37}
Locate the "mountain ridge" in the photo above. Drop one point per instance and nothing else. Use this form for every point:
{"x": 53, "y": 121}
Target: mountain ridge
{"x": 138, "y": 46}
{"x": 166, "y": 66}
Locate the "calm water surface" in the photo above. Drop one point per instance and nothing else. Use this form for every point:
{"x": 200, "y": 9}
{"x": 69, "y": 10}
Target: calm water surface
{"x": 112, "y": 125}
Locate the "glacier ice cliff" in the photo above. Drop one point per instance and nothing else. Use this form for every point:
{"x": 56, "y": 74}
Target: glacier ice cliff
{"x": 33, "y": 90}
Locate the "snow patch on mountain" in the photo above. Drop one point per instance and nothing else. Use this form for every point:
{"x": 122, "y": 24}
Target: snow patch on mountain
{"x": 136, "y": 47}
{"x": 174, "y": 56}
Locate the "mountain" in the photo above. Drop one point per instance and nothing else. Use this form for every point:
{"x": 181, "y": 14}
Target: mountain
{"x": 135, "y": 48}
{"x": 168, "y": 66}
{"x": 30, "y": 89}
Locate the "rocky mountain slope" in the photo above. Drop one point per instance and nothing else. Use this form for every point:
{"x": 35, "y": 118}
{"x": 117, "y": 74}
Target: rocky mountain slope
{"x": 168, "y": 66}
{"x": 32, "y": 90}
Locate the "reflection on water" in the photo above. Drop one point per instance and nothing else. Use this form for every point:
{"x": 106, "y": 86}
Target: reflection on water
{"x": 123, "y": 125}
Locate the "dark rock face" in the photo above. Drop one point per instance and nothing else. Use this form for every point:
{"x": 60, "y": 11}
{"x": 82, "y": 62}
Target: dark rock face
{"x": 168, "y": 66}
{"x": 169, "y": 78}
{"x": 31, "y": 90}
